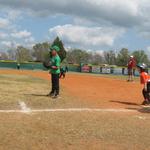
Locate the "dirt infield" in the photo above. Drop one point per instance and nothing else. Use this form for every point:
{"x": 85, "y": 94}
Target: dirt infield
{"x": 98, "y": 91}
{"x": 104, "y": 92}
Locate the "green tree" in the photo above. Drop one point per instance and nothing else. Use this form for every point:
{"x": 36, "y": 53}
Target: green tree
{"x": 95, "y": 58}
{"x": 62, "y": 53}
{"x": 140, "y": 56}
{"x": 4, "y": 56}
{"x": 41, "y": 51}
{"x": 12, "y": 54}
{"x": 77, "y": 56}
{"x": 122, "y": 58}
{"x": 110, "y": 57}
{"x": 23, "y": 54}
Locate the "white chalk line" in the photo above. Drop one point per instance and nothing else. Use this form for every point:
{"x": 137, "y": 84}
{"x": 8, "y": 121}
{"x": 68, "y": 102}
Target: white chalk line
{"x": 25, "y": 109}
{"x": 28, "y": 110}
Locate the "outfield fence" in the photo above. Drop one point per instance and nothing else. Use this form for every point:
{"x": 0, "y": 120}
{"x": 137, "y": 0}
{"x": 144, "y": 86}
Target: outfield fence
{"x": 71, "y": 67}
{"x": 25, "y": 65}
{"x": 108, "y": 70}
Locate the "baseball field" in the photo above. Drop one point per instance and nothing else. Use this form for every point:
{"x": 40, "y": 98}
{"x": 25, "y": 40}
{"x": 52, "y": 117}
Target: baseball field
{"x": 93, "y": 112}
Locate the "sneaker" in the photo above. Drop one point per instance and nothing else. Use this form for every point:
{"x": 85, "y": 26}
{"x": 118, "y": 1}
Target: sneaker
{"x": 50, "y": 94}
{"x": 55, "y": 96}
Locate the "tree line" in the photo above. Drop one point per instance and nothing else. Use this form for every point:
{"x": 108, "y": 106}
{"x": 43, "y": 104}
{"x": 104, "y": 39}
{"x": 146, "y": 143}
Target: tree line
{"x": 107, "y": 57}
{"x": 40, "y": 52}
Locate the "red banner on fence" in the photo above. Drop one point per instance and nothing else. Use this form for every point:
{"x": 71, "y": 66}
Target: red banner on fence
{"x": 85, "y": 68}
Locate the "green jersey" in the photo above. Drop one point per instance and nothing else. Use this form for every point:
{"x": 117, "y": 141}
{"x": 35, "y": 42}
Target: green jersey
{"x": 55, "y": 61}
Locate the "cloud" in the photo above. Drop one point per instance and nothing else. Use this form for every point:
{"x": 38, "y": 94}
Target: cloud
{"x": 96, "y": 22}
{"x": 86, "y": 36}
{"x": 14, "y": 15}
{"x": 21, "y": 34}
{"x": 9, "y": 44}
{"x": 3, "y": 35}
{"x": 6, "y": 43}
{"x": 8, "y": 20}
{"x": 133, "y": 14}
{"x": 30, "y": 40}
{"x": 10, "y": 31}
{"x": 125, "y": 13}
{"x": 4, "y": 23}
{"x": 24, "y": 37}
{"x": 14, "y": 44}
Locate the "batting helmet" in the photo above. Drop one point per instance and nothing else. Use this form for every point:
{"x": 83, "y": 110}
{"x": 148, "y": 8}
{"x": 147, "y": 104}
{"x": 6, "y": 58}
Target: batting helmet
{"x": 142, "y": 66}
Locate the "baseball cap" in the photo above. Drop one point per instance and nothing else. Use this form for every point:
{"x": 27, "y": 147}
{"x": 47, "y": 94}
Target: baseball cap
{"x": 131, "y": 56}
{"x": 55, "y": 47}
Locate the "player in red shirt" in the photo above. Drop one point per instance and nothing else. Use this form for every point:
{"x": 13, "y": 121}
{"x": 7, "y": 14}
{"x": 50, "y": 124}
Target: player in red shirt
{"x": 131, "y": 68}
{"x": 145, "y": 80}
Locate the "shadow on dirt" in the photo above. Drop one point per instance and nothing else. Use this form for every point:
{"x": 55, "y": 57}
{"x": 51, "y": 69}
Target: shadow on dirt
{"x": 143, "y": 109}
{"x": 45, "y": 95}
{"x": 125, "y": 103}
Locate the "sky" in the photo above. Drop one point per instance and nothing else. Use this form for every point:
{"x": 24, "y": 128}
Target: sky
{"x": 94, "y": 25}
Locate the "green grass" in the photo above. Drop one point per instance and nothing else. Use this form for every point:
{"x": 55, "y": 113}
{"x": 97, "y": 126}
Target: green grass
{"x": 32, "y": 91}
{"x": 14, "y": 87}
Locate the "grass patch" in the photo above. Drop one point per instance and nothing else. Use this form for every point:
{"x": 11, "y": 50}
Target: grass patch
{"x": 13, "y": 88}
{"x": 32, "y": 91}
{"x": 20, "y": 78}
